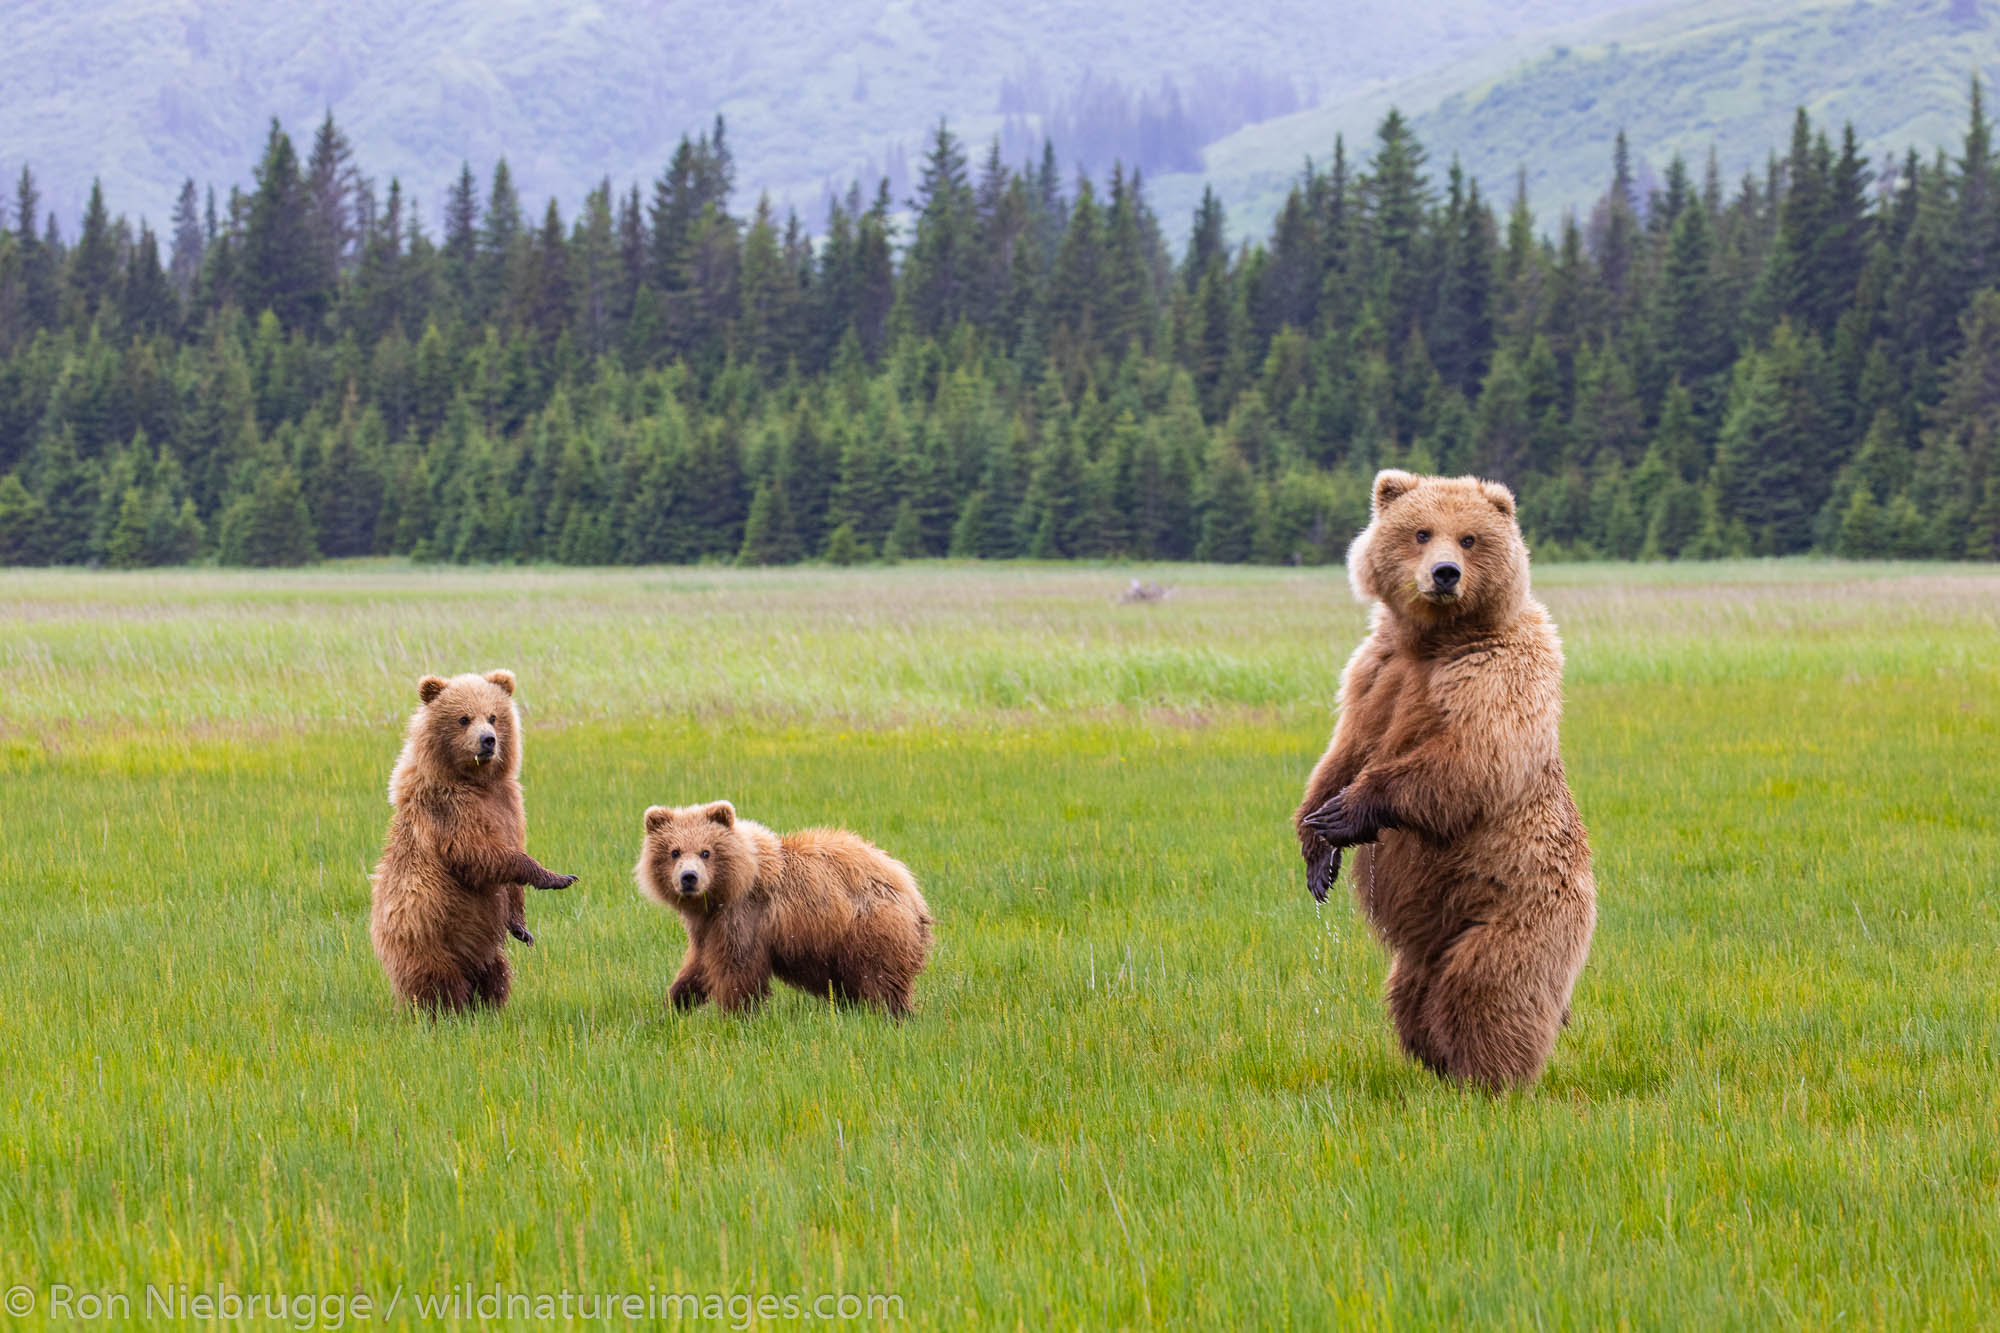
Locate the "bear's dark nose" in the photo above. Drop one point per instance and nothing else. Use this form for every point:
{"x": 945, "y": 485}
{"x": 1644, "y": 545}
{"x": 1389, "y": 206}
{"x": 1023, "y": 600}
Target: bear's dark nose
{"x": 1445, "y": 575}
{"x": 688, "y": 881}
{"x": 488, "y": 742}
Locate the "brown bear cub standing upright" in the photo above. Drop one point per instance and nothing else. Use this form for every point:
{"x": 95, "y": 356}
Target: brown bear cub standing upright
{"x": 448, "y": 891}
{"x": 822, "y": 909}
{"x": 1445, "y": 774}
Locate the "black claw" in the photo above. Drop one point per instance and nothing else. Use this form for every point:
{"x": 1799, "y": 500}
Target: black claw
{"x": 520, "y": 932}
{"x": 1329, "y": 820}
{"x": 1340, "y": 822}
{"x": 1322, "y": 868}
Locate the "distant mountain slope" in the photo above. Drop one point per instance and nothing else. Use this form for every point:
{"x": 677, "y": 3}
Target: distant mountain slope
{"x": 146, "y": 92}
{"x": 1678, "y": 78}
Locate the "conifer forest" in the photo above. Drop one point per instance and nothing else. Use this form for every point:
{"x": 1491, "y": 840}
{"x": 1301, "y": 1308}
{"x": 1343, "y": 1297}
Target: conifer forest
{"x": 1014, "y": 361}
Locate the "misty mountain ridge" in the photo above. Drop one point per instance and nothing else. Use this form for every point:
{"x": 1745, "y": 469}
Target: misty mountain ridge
{"x": 143, "y": 94}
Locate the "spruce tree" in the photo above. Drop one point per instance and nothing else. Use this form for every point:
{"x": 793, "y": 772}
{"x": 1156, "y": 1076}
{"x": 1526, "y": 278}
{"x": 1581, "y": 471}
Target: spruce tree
{"x": 93, "y": 264}
{"x": 148, "y": 303}
{"x": 68, "y": 488}
{"x": 24, "y": 536}
{"x": 1862, "y": 535}
{"x": 281, "y": 261}
{"x": 843, "y": 548}
{"x": 938, "y": 281}
{"x": 1227, "y": 508}
{"x": 968, "y": 528}
{"x": 769, "y": 537}
{"x": 126, "y": 546}
{"x": 269, "y": 524}
{"x": 906, "y": 535}
{"x": 334, "y": 189}
{"x": 1772, "y": 441}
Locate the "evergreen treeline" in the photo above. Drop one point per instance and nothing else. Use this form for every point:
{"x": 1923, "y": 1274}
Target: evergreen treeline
{"x": 1019, "y": 367}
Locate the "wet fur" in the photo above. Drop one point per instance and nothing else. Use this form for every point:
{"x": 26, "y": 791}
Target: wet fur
{"x": 1445, "y": 776}
{"x": 448, "y": 889}
{"x": 822, "y": 910}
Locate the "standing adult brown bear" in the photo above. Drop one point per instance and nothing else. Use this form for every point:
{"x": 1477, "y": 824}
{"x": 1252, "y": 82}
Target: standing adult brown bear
{"x": 1445, "y": 774}
{"x": 448, "y": 890}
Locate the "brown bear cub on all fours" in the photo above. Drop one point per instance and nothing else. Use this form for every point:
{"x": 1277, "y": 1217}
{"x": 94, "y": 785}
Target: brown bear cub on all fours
{"x": 821, "y": 909}
{"x": 448, "y": 890}
{"x": 1445, "y": 776}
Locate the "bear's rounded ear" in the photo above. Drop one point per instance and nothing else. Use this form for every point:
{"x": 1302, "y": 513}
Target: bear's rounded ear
{"x": 504, "y": 679}
{"x": 1392, "y": 483}
{"x": 430, "y": 687}
{"x": 1499, "y": 496}
{"x": 722, "y": 812}
{"x": 657, "y": 817}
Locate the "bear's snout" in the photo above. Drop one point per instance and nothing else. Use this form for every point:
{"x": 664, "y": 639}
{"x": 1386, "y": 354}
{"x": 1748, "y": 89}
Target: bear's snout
{"x": 1444, "y": 576}
{"x": 690, "y": 882}
{"x": 488, "y": 743}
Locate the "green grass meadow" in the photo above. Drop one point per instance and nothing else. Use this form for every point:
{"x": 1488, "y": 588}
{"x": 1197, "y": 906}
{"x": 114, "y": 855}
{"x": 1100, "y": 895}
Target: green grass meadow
{"x": 1148, "y": 1082}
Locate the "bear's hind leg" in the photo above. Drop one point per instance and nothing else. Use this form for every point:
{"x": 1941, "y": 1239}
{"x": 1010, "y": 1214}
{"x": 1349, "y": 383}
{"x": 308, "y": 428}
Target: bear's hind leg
{"x": 1493, "y": 1009}
{"x": 879, "y": 962}
{"x": 872, "y": 985}
{"x": 440, "y": 990}
{"x": 492, "y": 983}
{"x": 1409, "y": 984}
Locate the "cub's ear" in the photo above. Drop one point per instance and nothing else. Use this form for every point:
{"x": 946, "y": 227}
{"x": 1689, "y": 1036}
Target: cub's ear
{"x": 722, "y": 812}
{"x": 1499, "y": 496}
{"x": 1391, "y": 484}
{"x": 504, "y": 679}
{"x": 430, "y": 687}
{"x": 657, "y": 818}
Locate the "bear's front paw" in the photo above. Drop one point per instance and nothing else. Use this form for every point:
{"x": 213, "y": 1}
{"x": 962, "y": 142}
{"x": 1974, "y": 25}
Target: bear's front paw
{"x": 1340, "y": 822}
{"x": 519, "y": 930}
{"x": 558, "y": 882}
{"x": 685, "y": 994}
{"x": 1322, "y": 868}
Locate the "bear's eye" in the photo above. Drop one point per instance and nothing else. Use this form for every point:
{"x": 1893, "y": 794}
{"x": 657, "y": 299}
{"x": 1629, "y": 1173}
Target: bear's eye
{"x": 1466, "y": 542}
{"x": 465, "y": 722}
{"x": 1423, "y": 535}
{"x": 495, "y": 717}
{"x": 675, "y": 854}
{"x": 704, "y": 853}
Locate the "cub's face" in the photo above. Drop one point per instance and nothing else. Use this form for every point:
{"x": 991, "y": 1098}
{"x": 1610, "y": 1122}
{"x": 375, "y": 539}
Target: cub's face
{"x": 1440, "y": 549}
{"x": 694, "y": 855}
{"x": 468, "y": 724}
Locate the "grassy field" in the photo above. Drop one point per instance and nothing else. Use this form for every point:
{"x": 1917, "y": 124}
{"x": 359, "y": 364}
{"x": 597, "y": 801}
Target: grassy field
{"x": 1148, "y": 1082}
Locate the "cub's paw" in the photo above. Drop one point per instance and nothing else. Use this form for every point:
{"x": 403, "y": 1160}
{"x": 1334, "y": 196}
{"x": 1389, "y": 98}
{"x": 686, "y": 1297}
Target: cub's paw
{"x": 558, "y": 882}
{"x": 519, "y": 930}
{"x": 685, "y": 994}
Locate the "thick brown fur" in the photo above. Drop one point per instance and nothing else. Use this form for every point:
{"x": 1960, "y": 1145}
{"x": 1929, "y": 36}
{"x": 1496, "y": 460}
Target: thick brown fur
{"x": 1445, "y": 773}
{"x": 822, "y": 910}
{"x": 448, "y": 889}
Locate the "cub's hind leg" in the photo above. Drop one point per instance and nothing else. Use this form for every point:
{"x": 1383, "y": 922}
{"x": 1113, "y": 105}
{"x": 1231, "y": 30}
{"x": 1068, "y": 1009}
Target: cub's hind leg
{"x": 440, "y": 989}
{"x": 492, "y": 982}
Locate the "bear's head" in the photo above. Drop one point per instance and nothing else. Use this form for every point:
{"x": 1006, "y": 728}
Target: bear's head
{"x": 695, "y": 856}
{"x": 1439, "y": 550}
{"x": 466, "y": 727}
